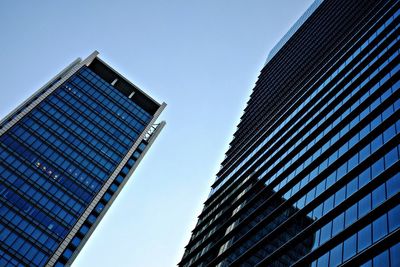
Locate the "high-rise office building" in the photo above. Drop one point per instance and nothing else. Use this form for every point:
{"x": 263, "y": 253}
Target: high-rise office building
{"x": 65, "y": 154}
{"x": 311, "y": 177}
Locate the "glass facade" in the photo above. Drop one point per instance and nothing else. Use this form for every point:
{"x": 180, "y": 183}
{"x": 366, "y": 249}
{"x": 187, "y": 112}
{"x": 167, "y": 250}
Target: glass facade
{"x": 56, "y": 160}
{"x": 312, "y": 177}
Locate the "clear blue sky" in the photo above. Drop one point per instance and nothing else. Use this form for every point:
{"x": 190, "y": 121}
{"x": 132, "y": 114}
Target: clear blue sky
{"x": 201, "y": 57}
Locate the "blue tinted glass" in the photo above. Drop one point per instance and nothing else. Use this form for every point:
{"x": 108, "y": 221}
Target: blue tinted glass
{"x": 364, "y": 238}
{"x": 326, "y": 233}
{"x": 367, "y": 264}
{"x": 336, "y": 255}
{"x": 378, "y": 195}
{"x": 324, "y": 260}
{"x": 338, "y": 224}
{"x": 382, "y": 259}
{"x": 364, "y": 205}
{"x": 351, "y": 215}
{"x": 394, "y": 218}
{"x": 377, "y": 167}
{"x": 379, "y": 228}
{"x": 350, "y": 247}
{"x": 395, "y": 255}
{"x": 393, "y": 185}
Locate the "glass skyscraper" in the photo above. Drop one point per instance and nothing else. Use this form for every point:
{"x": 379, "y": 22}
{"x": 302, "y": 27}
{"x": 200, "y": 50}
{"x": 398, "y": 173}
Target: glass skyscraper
{"x": 311, "y": 177}
{"x": 65, "y": 154}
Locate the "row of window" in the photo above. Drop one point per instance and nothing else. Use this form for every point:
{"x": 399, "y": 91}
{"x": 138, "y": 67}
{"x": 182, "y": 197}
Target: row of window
{"x": 389, "y": 257}
{"x": 34, "y": 212}
{"x": 59, "y": 212}
{"x": 40, "y": 153}
{"x": 77, "y": 239}
{"x": 38, "y": 235}
{"x": 312, "y": 98}
{"x": 13, "y": 177}
{"x": 353, "y": 107}
{"x": 21, "y": 247}
{"x": 7, "y": 260}
{"x": 353, "y": 123}
{"x": 66, "y": 138}
{"x": 107, "y": 133}
{"x": 128, "y": 105}
{"x": 35, "y": 181}
{"x": 71, "y": 96}
{"x": 70, "y": 106}
{"x": 103, "y": 105}
{"x": 363, "y": 239}
{"x": 65, "y": 141}
{"x": 355, "y": 159}
{"x": 88, "y": 141}
{"x": 342, "y": 132}
{"x": 340, "y": 222}
{"x": 346, "y": 167}
{"x": 70, "y": 184}
{"x": 84, "y": 128}
{"x": 336, "y": 198}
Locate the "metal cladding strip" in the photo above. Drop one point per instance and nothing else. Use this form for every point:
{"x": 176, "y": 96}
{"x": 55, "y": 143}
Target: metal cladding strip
{"x": 115, "y": 195}
{"x": 99, "y": 195}
{"x": 65, "y": 75}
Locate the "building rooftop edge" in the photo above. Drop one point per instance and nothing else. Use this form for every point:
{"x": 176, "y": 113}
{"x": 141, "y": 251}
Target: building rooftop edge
{"x": 121, "y": 83}
{"x": 310, "y": 10}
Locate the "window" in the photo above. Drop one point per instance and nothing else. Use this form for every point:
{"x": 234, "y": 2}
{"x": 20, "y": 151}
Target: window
{"x": 84, "y": 229}
{"x": 351, "y": 215}
{"x": 394, "y": 218}
{"x": 364, "y": 238}
{"x": 326, "y": 232}
{"x": 395, "y": 255}
{"x": 336, "y": 255}
{"x": 350, "y": 247}
{"x": 364, "y": 205}
{"x": 324, "y": 260}
{"x": 379, "y": 228}
{"x": 67, "y": 253}
{"x": 382, "y": 259}
{"x": 378, "y": 195}
{"x": 76, "y": 241}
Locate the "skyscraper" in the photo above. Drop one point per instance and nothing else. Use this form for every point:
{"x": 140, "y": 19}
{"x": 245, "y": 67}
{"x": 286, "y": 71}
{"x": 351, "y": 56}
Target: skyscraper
{"x": 311, "y": 177}
{"x": 65, "y": 154}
